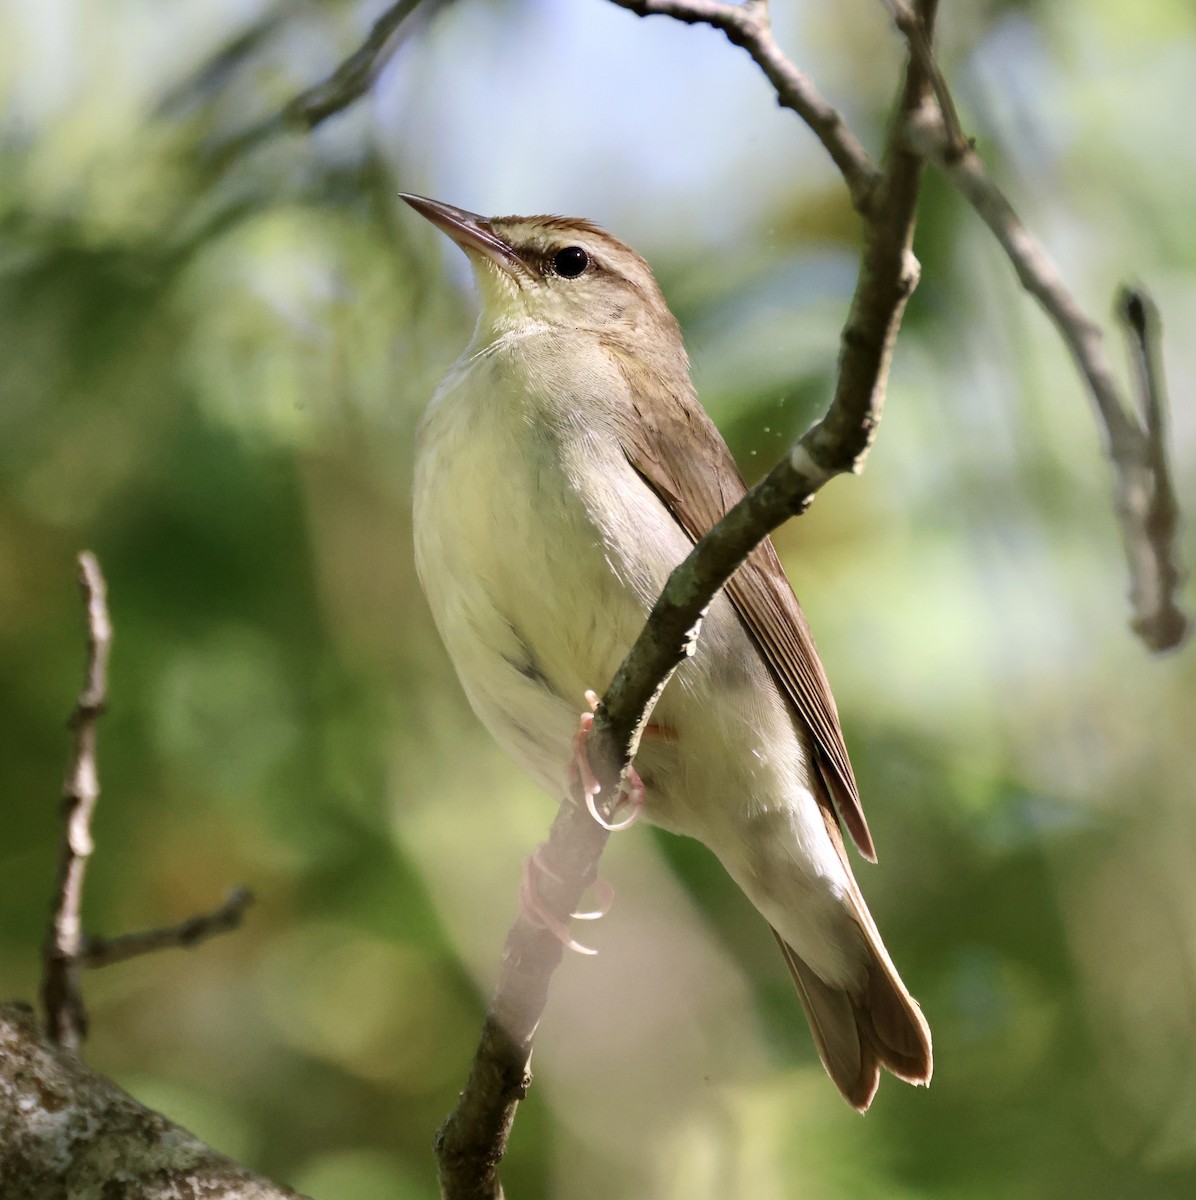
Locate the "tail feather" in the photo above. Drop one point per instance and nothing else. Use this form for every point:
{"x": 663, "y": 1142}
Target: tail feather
{"x": 858, "y": 1033}
{"x": 894, "y": 1020}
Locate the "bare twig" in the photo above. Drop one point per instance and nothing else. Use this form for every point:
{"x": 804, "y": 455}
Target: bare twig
{"x": 472, "y": 1141}
{"x": 103, "y": 952}
{"x": 67, "y": 949}
{"x": 62, "y": 1000}
{"x": 352, "y": 79}
{"x": 1144, "y": 500}
{"x": 339, "y": 91}
{"x": 910, "y": 24}
{"x": 213, "y": 75}
{"x": 747, "y": 25}
{"x": 1158, "y": 576}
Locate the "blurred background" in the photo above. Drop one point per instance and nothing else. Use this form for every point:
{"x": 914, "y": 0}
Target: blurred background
{"x": 213, "y": 356}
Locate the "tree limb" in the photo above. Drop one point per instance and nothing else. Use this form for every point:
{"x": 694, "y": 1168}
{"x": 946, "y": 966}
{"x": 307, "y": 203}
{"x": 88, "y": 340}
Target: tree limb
{"x": 64, "y": 1129}
{"x": 353, "y": 78}
{"x": 67, "y": 1131}
{"x": 471, "y": 1143}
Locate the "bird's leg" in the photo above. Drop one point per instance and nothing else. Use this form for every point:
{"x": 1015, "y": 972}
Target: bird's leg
{"x": 631, "y": 791}
{"x": 538, "y": 912}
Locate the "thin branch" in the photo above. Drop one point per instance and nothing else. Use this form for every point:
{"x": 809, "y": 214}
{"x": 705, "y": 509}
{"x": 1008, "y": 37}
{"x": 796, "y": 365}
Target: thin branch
{"x": 747, "y": 25}
{"x": 471, "y": 1143}
{"x": 214, "y": 74}
{"x": 62, "y": 999}
{"x": 1037, "y": 274}
{"x": 910, "y": 25}
{"x": 103, "y": 952}
{"x": 1159, "y": 576}
{"x": 67, "y": 949}
{"x": 353, "y": 78}
{"x": 335, "y": 93}
{"x": 1144, "y": 500}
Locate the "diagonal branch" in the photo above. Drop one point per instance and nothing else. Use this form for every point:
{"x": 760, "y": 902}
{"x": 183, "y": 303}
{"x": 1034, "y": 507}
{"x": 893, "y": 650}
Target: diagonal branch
{"x": 354, "y": 77}
{"x": 1144, "y": 500}
{"x": 103, "y": 952}
{"x": 471, "y": 1143}
{"x": 339, "y": 90}
{"x": 747, "y": 25}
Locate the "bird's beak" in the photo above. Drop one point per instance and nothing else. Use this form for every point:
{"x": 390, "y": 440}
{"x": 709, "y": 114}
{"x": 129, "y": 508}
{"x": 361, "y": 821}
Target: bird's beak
{"x": 469, "y": 231}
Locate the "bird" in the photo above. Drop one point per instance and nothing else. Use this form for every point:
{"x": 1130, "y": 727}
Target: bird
{"x": 564, "y": 466}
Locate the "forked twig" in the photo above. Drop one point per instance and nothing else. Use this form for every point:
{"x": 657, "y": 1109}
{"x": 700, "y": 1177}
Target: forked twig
{"x": 62, "y": 998}
{"x": 67, "y": 950}
{"x": 1144, "y": 499}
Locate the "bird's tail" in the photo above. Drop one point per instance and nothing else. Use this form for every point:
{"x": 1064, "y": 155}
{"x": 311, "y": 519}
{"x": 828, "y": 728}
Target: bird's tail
{"x": 858, "y": 1032}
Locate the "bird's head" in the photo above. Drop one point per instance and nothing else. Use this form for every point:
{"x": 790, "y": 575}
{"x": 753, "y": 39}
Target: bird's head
{"x": 556, "y": 272}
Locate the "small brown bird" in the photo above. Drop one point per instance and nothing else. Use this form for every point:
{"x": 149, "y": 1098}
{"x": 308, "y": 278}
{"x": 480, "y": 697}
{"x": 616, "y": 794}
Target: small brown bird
{"x": 564, "y": 468}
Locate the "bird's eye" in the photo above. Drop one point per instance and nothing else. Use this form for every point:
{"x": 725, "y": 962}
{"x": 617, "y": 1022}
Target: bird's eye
{"x": 570, "y": 262}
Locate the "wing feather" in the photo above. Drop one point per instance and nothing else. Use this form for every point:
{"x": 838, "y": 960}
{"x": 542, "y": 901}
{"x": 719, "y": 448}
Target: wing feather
{"x": 674, "y": 445}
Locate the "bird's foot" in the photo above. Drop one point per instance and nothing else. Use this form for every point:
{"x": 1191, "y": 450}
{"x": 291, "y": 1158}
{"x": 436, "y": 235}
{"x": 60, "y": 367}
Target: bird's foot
{"x": 538, "y": 912}
{"x": 579, "y": 763}
{"x": 631, "y": 790}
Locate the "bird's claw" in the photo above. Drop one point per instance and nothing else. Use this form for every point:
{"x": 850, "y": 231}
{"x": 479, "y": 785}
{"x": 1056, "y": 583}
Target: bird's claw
{"x": 604, "y": 897}
{"x": 538, "y": 912}
{"x": 579, "y": 764}
{"x": 631, "y": 791}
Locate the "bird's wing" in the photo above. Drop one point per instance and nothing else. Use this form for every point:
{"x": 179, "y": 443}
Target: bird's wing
{"x": 675, "y": 447}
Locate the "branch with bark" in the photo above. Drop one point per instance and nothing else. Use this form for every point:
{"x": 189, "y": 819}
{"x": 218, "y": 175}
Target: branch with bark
{"x": 65, "y": 1129}
{"x": 62, "y": 996}
{"x": 747, "y": 25}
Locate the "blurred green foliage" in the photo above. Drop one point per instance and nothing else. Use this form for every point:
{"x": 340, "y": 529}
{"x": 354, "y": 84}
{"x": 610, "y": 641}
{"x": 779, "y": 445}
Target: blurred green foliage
{"x": 211, "y": 367}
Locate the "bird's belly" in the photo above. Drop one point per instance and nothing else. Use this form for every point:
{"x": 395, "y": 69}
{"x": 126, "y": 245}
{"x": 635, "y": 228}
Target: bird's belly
{"x": 540, "y": 582}
{"x": 521, "y": 589}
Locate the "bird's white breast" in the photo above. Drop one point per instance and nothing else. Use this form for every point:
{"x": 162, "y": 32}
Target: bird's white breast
{"x": 516, "y": 572}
